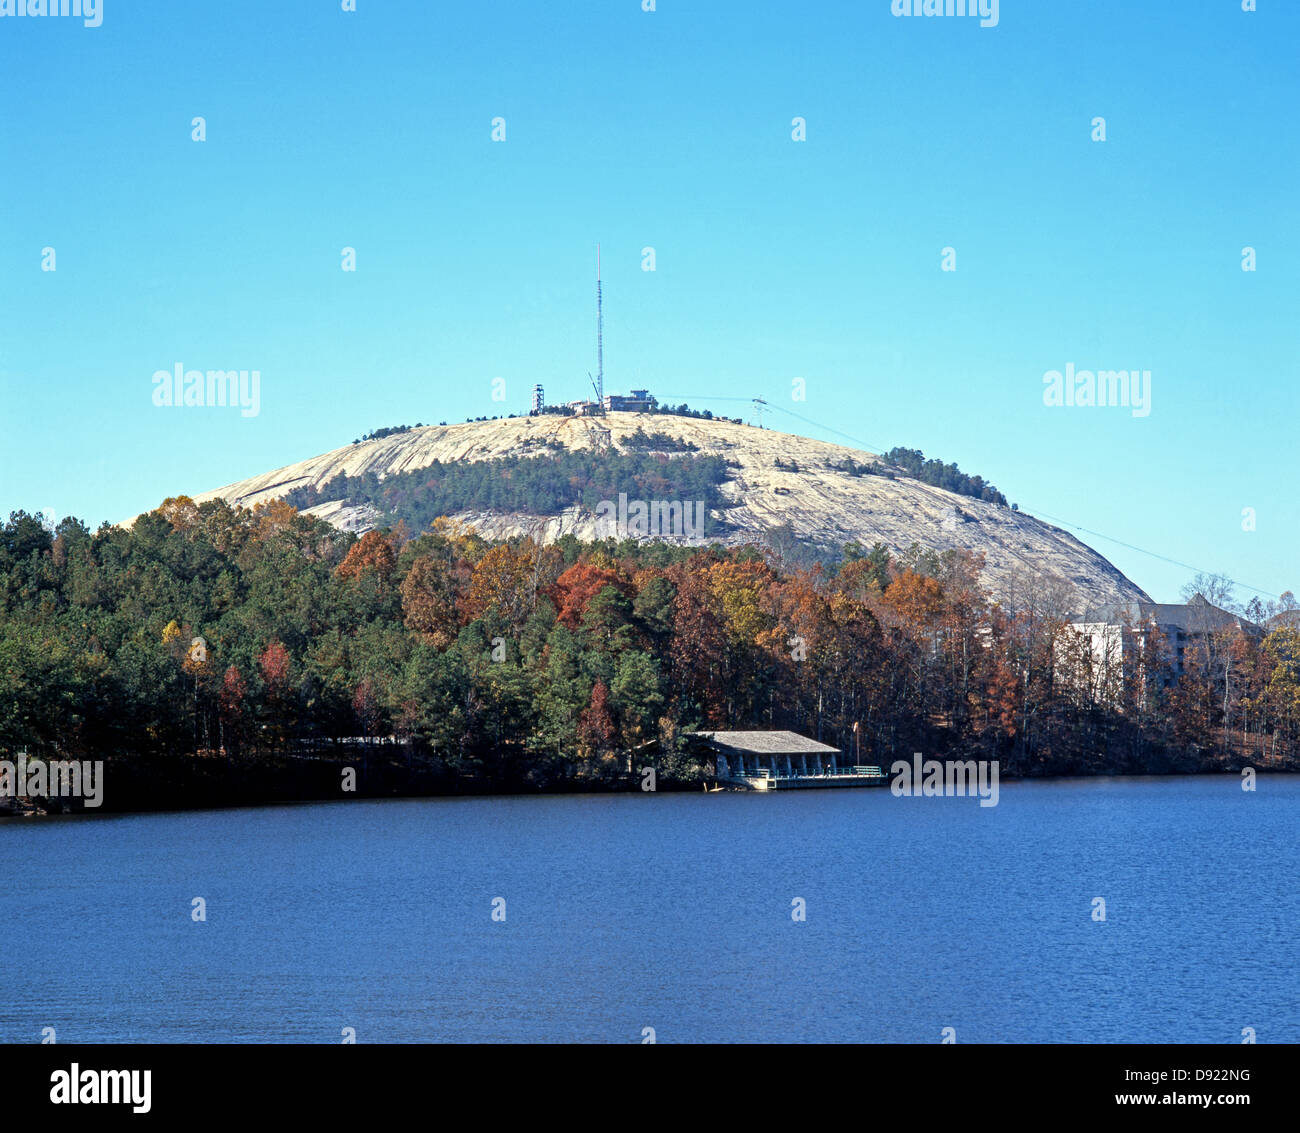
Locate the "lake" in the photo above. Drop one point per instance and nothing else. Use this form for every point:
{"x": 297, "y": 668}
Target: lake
{"x": 668, "y": 911}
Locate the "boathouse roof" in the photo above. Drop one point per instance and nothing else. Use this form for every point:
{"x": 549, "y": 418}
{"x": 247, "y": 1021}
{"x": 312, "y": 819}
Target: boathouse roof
{"x": 763, "y": 743}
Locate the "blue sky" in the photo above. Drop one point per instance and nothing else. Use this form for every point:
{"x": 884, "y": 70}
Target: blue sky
{"x": 775, "y": 259}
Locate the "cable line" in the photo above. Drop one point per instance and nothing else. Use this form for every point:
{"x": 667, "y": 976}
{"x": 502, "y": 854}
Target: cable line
{"x": 867, "y": 446}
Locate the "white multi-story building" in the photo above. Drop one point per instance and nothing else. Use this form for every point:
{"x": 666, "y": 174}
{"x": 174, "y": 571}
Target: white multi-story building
{"x": 1118, "y": 637}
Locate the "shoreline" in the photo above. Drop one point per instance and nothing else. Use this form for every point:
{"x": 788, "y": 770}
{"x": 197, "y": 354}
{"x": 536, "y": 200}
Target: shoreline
{"x": 166, "y": 802}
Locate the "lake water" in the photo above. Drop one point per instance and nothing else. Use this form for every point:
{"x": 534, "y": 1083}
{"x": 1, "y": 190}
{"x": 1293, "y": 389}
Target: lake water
{"x": 667, "y": 911}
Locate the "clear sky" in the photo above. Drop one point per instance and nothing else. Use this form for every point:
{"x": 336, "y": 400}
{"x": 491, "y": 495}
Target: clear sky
{"x": 775, "y": 259}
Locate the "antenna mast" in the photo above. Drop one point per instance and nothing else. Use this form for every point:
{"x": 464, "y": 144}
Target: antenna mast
{"x": 600, "y": 342}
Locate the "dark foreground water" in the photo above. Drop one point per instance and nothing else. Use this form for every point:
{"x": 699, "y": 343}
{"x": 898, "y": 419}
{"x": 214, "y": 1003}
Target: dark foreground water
{"x": 671, "y": 912}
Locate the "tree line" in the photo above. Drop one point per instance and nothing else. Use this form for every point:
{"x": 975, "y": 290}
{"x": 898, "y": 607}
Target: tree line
{"x": 537, "y": 485}
{"x": 216, "y": 632}
{"x": 941, "y": 475}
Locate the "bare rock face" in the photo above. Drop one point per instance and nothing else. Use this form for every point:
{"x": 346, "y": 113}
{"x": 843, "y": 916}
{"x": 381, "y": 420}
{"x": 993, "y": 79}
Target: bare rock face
{"x": 823, "y": 503}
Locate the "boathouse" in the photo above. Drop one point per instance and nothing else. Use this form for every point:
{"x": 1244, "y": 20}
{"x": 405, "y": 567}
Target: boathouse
{"x": 777, "y": 760}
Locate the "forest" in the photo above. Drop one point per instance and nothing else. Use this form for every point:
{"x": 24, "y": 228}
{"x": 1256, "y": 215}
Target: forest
{"x": 535, "y": 485}
{"x": 208, "y": 636}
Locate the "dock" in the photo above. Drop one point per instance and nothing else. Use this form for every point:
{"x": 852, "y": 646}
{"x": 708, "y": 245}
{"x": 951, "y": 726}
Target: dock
{"x": 857, "y": 776}
{"x": 780, "y": 761}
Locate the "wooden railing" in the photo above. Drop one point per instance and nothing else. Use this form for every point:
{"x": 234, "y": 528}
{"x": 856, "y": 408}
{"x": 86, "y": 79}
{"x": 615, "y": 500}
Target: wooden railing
{"x": 825, "y": 773}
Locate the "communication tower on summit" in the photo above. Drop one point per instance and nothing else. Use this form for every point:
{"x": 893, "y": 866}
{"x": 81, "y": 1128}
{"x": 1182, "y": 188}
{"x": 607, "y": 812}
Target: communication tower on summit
{"x": 598, "y": 382}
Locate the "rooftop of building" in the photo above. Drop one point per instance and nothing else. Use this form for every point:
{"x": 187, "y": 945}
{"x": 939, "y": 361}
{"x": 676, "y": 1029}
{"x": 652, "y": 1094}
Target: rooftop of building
{"x": 763, "y": 743}
{"x": 1198, "y": 615}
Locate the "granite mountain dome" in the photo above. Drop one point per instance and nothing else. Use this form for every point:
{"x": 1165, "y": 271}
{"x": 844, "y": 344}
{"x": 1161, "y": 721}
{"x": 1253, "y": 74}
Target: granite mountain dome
{"x": 772, "y": 478}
